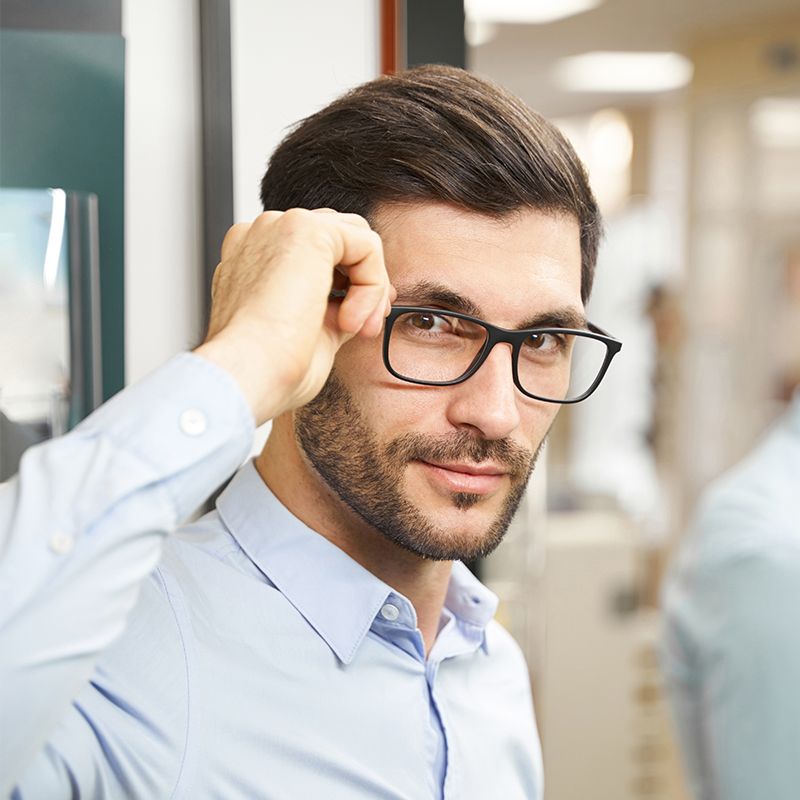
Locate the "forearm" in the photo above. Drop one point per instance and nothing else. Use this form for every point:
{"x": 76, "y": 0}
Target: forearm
{"x": 82, "y": 526}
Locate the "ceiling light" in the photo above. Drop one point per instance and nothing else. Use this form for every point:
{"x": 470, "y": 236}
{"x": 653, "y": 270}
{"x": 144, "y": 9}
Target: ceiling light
{"x": 478, "y": 32}
{"x": 532, "y": 12}
{"x": 610, "y": 140}
{"x": 623, "y": 72}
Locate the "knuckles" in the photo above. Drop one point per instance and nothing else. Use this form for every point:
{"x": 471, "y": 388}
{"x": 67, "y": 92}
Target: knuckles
{"x": 294, "y": 222}
{"x": 265, "y": 220}
{"x": 319, "y": 224}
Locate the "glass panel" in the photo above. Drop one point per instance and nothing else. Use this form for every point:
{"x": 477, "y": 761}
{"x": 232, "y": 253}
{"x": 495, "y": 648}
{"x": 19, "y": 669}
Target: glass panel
{"x": 50, "y": 373}
{"x": 34, "y": 306}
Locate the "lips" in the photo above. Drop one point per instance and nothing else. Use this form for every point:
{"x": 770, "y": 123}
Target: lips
{"x": 470, "y": 478}
{"x": 470, "y": 469}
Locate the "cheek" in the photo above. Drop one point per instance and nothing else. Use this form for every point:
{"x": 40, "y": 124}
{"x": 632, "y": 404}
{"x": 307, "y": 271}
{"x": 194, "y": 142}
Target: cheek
{"x": 394, "y": 407}
{"x": 359, "y": 362}
{"x": 390, "y": 406}
{"x": 378, "y": 395}
{"x": 537, "y": 418}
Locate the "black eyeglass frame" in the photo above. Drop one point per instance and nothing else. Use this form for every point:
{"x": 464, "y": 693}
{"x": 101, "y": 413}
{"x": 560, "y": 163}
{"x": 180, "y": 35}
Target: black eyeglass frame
{"x": 495, "y": 336}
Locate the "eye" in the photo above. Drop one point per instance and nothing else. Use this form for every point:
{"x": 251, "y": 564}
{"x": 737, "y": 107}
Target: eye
{"x": 545, "y": 344}
{"x": 429, "y": 322}
{"x": 542, "y": 341}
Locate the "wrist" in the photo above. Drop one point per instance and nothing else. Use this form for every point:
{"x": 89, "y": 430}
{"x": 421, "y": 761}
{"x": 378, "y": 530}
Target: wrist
{"x": 262, "y": 389}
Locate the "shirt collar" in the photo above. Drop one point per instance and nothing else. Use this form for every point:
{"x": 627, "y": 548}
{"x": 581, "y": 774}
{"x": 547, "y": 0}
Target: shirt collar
{"x": 470, "y": 601}
{"x": 336, "y": 595}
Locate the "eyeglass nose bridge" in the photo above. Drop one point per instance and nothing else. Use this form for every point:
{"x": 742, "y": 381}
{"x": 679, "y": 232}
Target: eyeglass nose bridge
{"x": 495, "y": 336}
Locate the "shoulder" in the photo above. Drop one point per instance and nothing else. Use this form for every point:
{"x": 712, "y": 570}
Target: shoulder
{"x": 504, "y": 667}
{"x": 139, "y": 698}
{"x": 503, "y": 649}
{"x": 751, "y": 511}
{"x": 125, "y": 732}
{"x": 736, "y": 574}
{"x": 149, "y": 668}
{"x": 146, "y": 667}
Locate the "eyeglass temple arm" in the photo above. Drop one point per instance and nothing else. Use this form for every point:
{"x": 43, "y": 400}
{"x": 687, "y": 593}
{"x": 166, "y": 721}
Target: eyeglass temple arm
{"x": 597, "y": 329}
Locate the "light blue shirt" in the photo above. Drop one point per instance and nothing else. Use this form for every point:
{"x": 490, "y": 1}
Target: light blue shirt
{"x": 731, "y": 651}
{"x": 257, "y": 661}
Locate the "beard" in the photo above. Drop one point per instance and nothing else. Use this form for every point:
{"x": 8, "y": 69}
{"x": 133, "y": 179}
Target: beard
{"x": 368, "y": 477}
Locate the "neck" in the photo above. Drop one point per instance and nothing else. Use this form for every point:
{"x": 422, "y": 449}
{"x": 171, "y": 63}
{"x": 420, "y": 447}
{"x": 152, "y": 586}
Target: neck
{"x": 299, "y": 488}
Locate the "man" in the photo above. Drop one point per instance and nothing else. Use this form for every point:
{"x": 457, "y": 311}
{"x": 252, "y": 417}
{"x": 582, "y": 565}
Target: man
{"x": 316, "y": 635}
{"x": 731, "y": 651}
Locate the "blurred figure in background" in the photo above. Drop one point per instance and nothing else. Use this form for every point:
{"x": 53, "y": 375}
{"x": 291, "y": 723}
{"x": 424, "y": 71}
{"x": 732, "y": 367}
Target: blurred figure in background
{"x": 611, "y": 458}
{"x": 731, "y": 653}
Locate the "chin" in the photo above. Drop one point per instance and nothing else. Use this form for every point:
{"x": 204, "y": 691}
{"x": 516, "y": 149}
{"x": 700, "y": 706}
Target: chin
{"x": 453, "y": 533}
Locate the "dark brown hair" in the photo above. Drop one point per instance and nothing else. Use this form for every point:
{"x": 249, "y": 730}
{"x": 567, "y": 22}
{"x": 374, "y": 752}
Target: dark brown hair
{"x": 439, "y": 134}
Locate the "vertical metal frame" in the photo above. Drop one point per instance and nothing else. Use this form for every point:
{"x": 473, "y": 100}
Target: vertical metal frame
{"x": 85, "y": 357}
{"x": 217, "y": 132}
{"x": 434, "y": 32}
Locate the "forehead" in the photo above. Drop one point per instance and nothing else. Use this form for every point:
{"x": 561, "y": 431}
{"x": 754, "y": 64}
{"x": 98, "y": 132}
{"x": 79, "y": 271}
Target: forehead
{"x": 510, "y": 269}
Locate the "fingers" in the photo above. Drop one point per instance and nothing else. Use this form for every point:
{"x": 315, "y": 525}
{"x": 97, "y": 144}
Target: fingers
{"x": 359, "y": 307}
{"x": 374, "y": 325}
{"x": 365, "y": 303}
{"x": 363, "y": 285}
{"x": 352, "y": 219}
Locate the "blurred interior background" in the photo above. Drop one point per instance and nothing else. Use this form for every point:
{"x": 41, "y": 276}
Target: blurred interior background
{"x": 132, "y": 134}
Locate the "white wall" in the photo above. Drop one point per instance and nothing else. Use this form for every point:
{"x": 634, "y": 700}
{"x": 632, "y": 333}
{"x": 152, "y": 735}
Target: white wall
{"x": 289, "y": 60}
{"x": 163, "y": 190}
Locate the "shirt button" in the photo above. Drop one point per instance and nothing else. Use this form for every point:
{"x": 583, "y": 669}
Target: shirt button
{"x": 390, "y": 613}
{"x": 472, "y": 599}
{"x": 61, "y": 543}
{"x": 193, "y": 422}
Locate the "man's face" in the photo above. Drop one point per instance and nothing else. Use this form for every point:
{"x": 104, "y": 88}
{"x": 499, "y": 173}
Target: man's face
{"x": 440, "y": 470}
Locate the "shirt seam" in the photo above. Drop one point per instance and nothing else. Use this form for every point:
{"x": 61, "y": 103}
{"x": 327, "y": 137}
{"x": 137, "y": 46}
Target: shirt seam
{"x": 170, "y": 599}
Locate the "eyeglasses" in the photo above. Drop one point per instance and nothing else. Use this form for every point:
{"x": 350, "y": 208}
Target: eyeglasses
{"x": 433, "y": 347}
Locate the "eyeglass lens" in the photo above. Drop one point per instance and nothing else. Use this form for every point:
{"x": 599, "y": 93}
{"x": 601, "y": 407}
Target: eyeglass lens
{"x": 439, "y": 348}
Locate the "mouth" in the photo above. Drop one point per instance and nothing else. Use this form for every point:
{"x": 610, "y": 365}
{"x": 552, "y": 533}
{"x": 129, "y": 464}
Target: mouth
{"x": 483, "y": 479}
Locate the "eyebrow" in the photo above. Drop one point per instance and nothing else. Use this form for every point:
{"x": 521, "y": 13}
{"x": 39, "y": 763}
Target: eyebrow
{"x": 428, "y": 293}
{"x": 557, "y": 318}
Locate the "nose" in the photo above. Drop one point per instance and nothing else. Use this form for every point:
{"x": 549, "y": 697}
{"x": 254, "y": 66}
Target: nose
{"x": 487, "y": 401}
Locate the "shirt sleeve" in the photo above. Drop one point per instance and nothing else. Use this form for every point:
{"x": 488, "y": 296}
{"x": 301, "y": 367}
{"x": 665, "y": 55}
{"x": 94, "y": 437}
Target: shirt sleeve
{"x": 731, "y": 659}
{"x": 82, "y": 526}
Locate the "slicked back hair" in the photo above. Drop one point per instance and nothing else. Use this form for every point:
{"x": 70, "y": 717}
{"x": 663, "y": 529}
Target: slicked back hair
{"x": 433, "y": 133}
